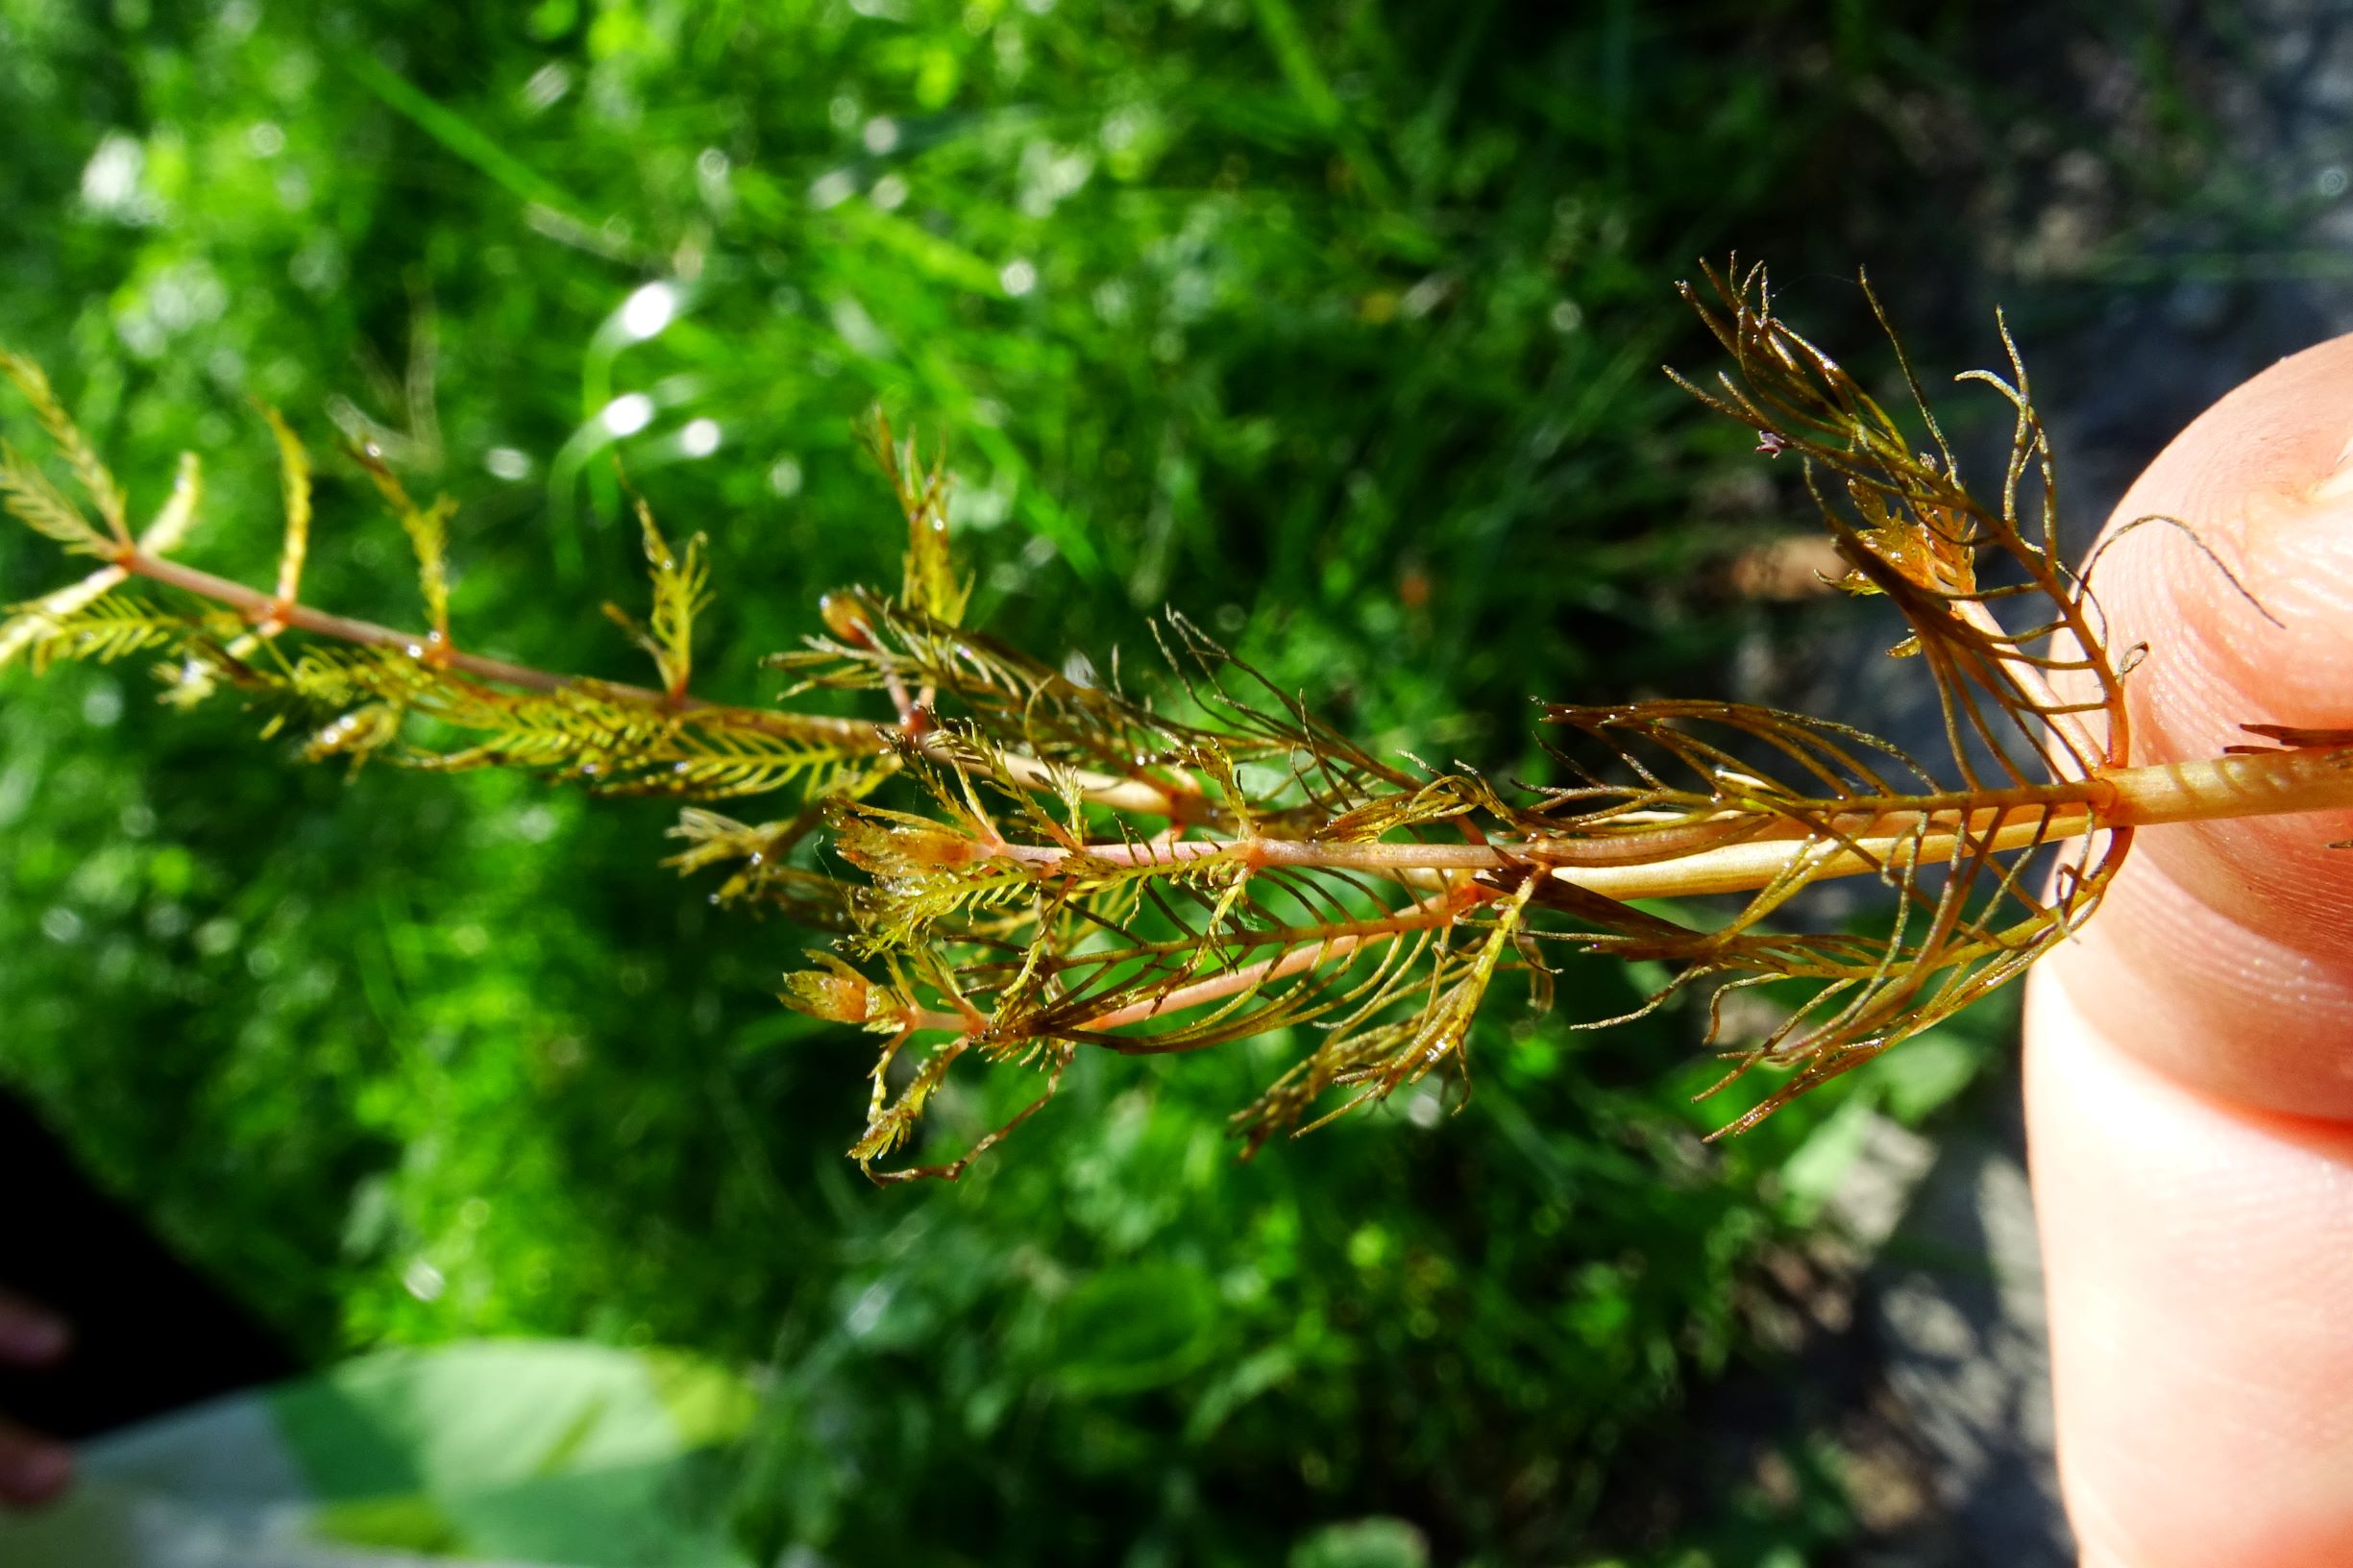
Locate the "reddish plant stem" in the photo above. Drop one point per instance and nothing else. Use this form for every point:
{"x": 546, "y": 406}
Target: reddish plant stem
{"x": 1633, "y": 863}
{"x": 264, "y": 609}
{"x": 261, "y": 608}
{"x": 1679, "y": 859}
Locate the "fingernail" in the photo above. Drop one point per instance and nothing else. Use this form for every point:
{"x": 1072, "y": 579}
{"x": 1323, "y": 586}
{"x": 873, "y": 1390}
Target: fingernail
{"x": 36, "y": 1472}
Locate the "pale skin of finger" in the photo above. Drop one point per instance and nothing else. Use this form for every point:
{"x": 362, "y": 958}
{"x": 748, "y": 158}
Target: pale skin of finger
{"x": 2190, "y": 1055}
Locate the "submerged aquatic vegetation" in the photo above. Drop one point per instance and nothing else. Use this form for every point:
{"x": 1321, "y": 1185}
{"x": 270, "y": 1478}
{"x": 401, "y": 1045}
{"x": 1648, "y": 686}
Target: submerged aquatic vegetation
{"x": 1048, "y": 862}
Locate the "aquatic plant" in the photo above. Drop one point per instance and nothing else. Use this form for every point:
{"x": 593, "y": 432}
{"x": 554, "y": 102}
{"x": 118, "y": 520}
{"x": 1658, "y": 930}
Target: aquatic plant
{"x": 1047, "y": 860}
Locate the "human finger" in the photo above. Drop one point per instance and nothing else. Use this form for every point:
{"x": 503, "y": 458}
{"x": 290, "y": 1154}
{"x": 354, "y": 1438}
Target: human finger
{"x": 2190, "y": 1054}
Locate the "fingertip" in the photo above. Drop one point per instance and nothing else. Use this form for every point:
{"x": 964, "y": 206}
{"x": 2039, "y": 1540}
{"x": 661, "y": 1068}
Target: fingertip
{"x": 2278, "y": 436}
{"x": 2242, "y": 594}
{"x": 2240, "y": 608}
{"x": 2189, "y": 1084}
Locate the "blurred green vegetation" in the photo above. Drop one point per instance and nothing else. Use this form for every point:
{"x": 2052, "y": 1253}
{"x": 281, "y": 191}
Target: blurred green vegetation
{"x": 1336, "y": 324}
